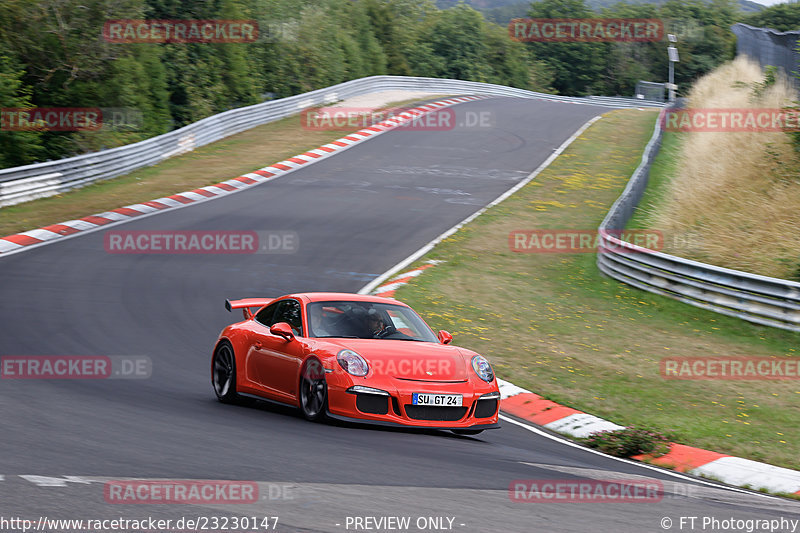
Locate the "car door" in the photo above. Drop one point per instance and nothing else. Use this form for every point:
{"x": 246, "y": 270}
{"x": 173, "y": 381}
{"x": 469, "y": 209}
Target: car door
{"x": 275, "y": 360}
{"x": 263, "y": 317}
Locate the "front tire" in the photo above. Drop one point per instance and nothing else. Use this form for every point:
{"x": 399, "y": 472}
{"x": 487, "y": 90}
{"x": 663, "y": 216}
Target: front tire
{"x": 223, "y": 373}
{"x": 313, "y": 391}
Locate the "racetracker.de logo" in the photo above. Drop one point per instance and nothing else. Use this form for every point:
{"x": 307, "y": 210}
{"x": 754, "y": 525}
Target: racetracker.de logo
{"x": 201, "y": 242}
{"x": 75, "y": 367}
{"x": 353, "y": 118}
{"x": 180, "y": 492}
{"x": 730, "y": 368}
{"x": 586, "y": 30}
{"x": 180, "y": 31}
{"x": 51, "y": 119}
{"x": 732, "y": 120}
{"x": 573, "y": 241}
{"x": 71, "y": 119}
{"x": 585, "y": 491}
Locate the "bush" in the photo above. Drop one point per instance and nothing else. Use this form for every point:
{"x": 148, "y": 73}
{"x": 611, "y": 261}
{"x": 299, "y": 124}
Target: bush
{"x": 629, "y": 441}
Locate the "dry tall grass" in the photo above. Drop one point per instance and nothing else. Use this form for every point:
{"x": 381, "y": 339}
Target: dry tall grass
{"x": 736, "y": 196}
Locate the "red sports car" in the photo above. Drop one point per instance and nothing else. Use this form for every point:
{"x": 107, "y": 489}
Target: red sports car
{"x": 353, "y": 357}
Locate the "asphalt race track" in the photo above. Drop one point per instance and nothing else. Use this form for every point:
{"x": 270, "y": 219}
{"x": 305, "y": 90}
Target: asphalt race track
{"x": 356, "y": 214}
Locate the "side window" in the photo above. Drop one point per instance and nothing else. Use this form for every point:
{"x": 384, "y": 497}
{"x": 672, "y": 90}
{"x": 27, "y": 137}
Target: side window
{"x": 288, "y": 311}
{"x": 265, "y": 315}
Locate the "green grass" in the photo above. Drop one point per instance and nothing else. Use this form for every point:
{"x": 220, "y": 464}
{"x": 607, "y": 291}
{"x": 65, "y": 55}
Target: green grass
{"x": 661, "y": 171}
{"x": 553, "y": 324}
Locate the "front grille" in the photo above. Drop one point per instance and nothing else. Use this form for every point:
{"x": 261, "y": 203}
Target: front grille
{"x": 485, "y": 408}
{"x": 428, "y": 412}
{"x": 372, "y": 404}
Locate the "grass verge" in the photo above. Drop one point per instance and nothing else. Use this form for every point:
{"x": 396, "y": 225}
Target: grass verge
{"x": 553, "y": 324}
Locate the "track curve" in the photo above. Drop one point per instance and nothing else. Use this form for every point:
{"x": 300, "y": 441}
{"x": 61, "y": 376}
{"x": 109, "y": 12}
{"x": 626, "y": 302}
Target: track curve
{"x": 356, "y": 214}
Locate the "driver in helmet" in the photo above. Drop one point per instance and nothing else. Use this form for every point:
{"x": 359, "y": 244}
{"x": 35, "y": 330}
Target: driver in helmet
{"x": 375, "y": 322}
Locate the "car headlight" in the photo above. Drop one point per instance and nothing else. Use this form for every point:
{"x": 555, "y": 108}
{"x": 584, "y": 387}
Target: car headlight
{"x": 482, "y": 367}
{"x": 352, "y": 363}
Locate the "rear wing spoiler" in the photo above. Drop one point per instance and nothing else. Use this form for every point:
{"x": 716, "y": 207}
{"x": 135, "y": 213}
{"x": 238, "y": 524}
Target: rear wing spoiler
{"x": 246, "y": 304}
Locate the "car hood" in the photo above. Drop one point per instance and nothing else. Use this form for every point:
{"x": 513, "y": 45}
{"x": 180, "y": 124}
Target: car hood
{"x": 410, "y": 360}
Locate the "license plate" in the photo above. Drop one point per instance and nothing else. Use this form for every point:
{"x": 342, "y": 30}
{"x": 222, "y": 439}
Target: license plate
{"x": 439, "y": 400}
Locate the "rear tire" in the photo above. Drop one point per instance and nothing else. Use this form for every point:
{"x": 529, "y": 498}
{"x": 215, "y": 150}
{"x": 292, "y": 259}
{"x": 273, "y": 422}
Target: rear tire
{"x": 223, "y": 373}
{"x": 313, "y": 391}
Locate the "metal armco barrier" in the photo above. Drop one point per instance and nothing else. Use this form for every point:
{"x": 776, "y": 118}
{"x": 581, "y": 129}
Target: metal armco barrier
{"x": 760, "y": 299}
{"x": 29, "y": 182}
{"x": 769, "y": 47}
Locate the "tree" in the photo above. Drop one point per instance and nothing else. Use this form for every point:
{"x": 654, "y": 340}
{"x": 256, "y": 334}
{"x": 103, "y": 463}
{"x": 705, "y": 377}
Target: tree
{"x": 16, "y": 147}
{"x": 780, "y": 17}
{"x": 578, "y": 67}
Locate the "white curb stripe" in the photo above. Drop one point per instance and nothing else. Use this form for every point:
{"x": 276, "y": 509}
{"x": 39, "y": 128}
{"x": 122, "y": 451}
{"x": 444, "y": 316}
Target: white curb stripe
{"x": 213, "y": 189}
{"x": 508, "y": 389}
{"x": 141, "y": 208}
{"x": 169, "y": 201}
{"x": 738, "y": 471}
{"x": 7, "y": 246}
{"x": 79, "y": 225}
{"x": 582, "y": 425}
{"x": 41, "y": 234}
{"x": 112, "y": 216}
{"x": 192, "y": 195}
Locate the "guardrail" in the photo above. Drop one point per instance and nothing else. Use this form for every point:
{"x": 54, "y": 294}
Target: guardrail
{"x": 760, "y": 299}
{"x": 29, "y": 182}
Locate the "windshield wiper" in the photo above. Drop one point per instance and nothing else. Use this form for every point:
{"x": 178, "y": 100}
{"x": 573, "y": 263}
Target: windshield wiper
{"x": 336, "y": 337}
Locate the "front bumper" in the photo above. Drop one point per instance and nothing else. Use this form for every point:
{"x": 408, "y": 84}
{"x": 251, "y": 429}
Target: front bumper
{"x": 397, "y": 408}
{"x": 389, "y": 423}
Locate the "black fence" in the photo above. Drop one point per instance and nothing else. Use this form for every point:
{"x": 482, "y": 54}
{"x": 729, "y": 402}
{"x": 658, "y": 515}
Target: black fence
{"x": 770, "y": 47}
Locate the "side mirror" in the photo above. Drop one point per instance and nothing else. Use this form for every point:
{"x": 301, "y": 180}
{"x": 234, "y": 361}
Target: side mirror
{"x": 444, "y": 337}
{"x": 282, "y": 329}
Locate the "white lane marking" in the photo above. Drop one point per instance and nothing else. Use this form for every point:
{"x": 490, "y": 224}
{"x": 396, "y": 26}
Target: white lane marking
{"x": 631, "y": 462}
{"x": 428, "y": 247}
{"x": 46, "y": 481}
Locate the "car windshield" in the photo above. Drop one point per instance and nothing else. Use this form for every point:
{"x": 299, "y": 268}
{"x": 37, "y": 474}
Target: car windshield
{"x": 366, "y": 320}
